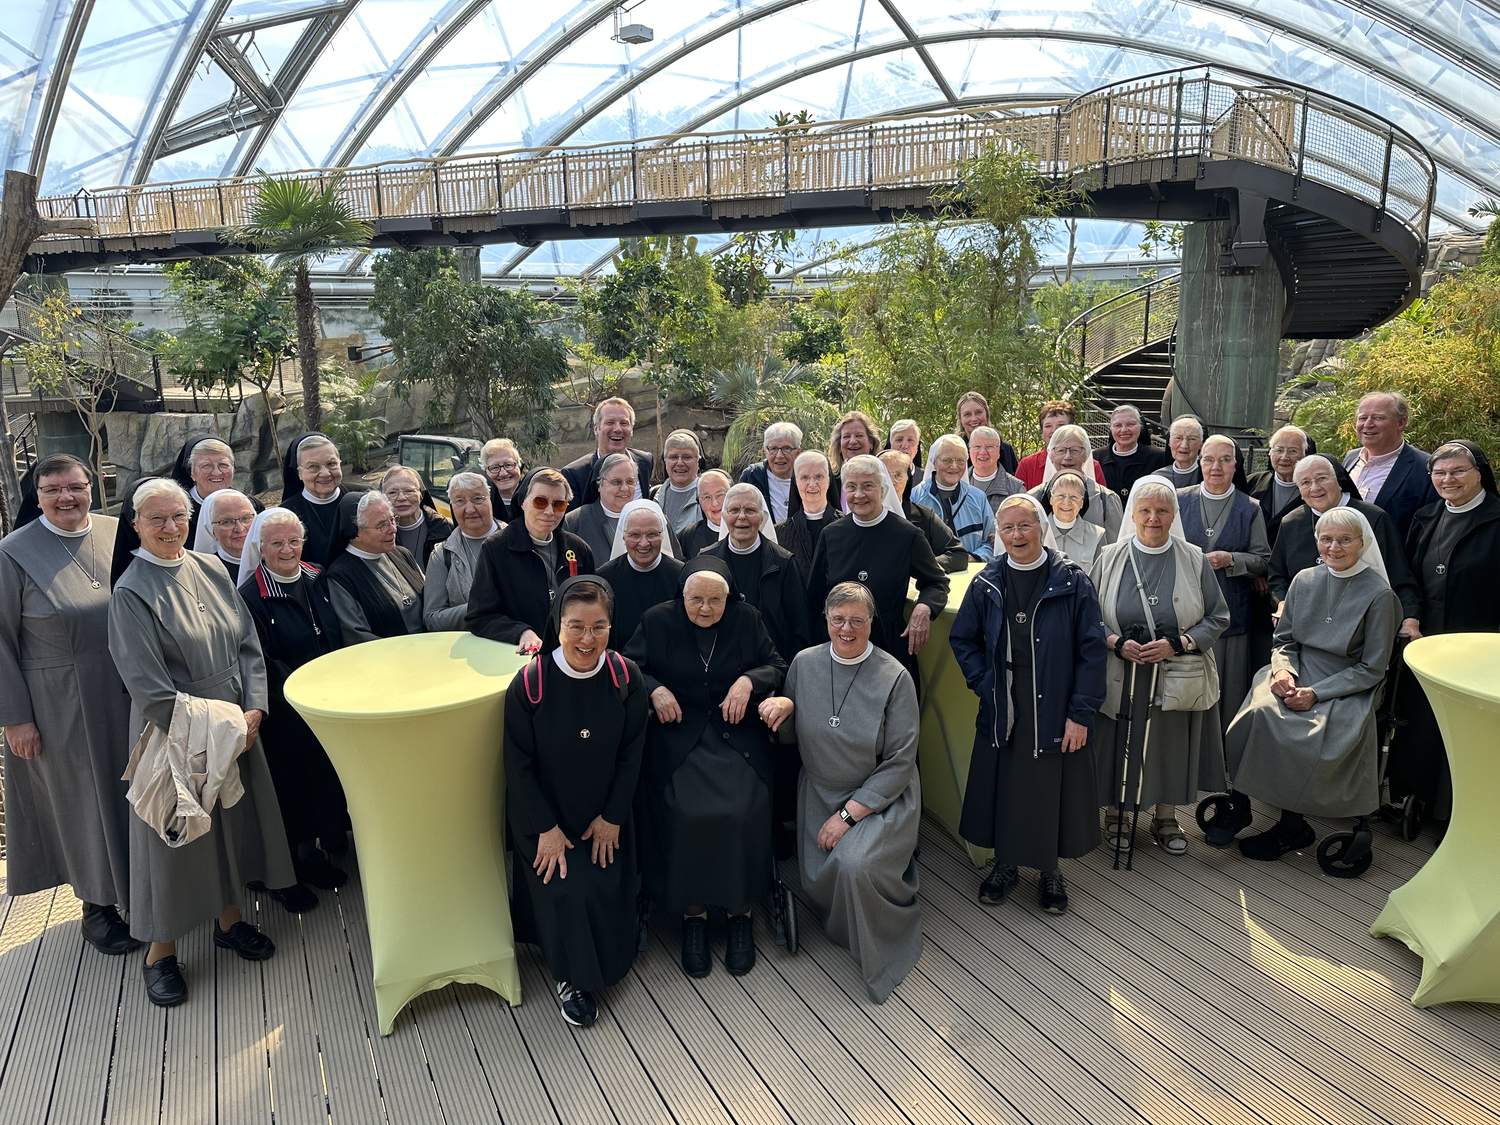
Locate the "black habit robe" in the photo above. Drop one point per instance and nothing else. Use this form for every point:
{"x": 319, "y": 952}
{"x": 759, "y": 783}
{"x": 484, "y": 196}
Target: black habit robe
{"x": 573, "y": 751}
{"x": 946, "y": 548}
{"x": 1296, "y": 549}
{"x": 296, "y": 624}
{"x": 767, "y": 578}
{"x": 636, "y": 591}
{"x": 696, "y": 539}
{"x": 327, "y": 527}
{"x": 799, "y": 536}
{"x": 512, "y": 590}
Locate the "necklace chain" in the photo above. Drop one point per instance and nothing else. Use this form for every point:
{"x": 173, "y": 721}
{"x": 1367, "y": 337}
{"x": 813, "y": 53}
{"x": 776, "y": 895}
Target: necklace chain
{"x": 834, "y": 720}
{"x": 90, "y": 572}
{"x": 191, "y": 592}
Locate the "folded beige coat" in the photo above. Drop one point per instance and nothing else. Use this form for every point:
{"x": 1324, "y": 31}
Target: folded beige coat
{"x": 178, "y": 775}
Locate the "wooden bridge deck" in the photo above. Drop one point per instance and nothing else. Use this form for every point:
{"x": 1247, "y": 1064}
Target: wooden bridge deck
{"x": 1208, "y": 990}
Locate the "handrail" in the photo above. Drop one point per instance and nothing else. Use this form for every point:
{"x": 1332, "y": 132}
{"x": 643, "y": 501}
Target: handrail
{"x": 1187, "y": 116}
{"x": 102, "y": 347}
{"x": 1120, "y": 324}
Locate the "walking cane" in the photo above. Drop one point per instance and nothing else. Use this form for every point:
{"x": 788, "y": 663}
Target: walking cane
{"x": 1122, "y": 757}
{"x": 1140, "y": 778}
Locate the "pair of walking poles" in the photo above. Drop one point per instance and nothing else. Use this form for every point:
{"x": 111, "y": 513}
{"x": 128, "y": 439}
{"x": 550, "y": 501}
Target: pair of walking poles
{"x": 1128, "y": 753}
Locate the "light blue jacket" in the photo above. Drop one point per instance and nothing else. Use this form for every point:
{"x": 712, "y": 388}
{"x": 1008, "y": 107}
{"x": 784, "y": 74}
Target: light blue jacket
{"x": 973, "y": 522}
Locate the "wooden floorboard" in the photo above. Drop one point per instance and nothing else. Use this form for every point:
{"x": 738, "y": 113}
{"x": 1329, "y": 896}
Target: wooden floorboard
{"x": 1202, "y": 990}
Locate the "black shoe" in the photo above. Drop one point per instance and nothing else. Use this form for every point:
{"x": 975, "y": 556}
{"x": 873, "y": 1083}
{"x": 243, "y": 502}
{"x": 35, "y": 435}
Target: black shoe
{"x": 295, "y": 899}
{"x": 1052, "y": 892}
{"x": 577, "y": 1006}
{"x": 1232, "y": 815}
{"x": 739, "y": 952}
{"x": 104, "y": 929}
{"x": 998, "y": 884}
{"x": 245, "y": 940}
{"x": 164, "y": 984}
{"x": 316, "y": 868}
{"x": 696, "y": 961}
{"x": 1282, "y": 837}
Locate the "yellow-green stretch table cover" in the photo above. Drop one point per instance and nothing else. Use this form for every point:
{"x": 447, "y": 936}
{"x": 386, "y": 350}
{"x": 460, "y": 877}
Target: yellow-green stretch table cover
{"x": 1449, "y": 912}
{"x": 413, "y": 727}
{"x": 949, "y": 710}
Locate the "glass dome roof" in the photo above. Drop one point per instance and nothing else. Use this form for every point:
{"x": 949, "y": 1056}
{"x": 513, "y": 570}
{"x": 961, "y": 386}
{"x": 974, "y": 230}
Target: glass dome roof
{"x": 132, "y": 91}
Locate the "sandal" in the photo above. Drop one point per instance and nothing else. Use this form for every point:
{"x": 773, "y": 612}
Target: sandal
{"x": 1169, "y": 835}
{"x": 1117, "y": 834}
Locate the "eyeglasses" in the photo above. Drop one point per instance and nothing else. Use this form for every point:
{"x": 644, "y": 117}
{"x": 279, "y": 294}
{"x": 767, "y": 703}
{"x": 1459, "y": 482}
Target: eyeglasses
{"x": 856, "y": 623}
{"x": 214, "y": 466}
{"x": 643, "y": 537}
{"x": 234, "y": 521}
{"x": 951, "y": 462}
{"x": 1068, "y": 450}
{"x": 782, "y": 450}
{"x": 1016, "y": 528}
{"x": 1338, "y": 541}
{"x": 316, "y": 467}
{"x": 282, "y": 544}
{"x": 403, "y": 490}
{"x": 1285, "y": 451}
{"x": 381, "y": 525}
{"x": 541, "y": 504}
{"x": 860, "y": 487}
{"x": 502, "y": 466}
{"x": 1453, "y": 474}
{"x": 160, "y": 523}
{"x": 576, "y": 631}
{"x": 51, "y": 490}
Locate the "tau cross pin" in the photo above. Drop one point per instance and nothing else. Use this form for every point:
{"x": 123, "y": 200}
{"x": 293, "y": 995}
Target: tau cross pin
{"x": 863, "y": 576}
{"x": 1441, "y": 568}
{"x": 1153, "y": 600}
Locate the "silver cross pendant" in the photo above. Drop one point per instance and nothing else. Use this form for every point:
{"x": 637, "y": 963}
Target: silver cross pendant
{"x": 1021, "y": 618}
{"x": 833, "y": 721}
{"x": 1441, "y": 568}
{"x": 863, "y": 576}
{"x": 1209, "y": 532}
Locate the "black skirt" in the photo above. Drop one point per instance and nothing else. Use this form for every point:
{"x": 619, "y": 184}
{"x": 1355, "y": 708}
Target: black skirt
{"x": 711, "y": 824}
{"x": 1032, "y": 810}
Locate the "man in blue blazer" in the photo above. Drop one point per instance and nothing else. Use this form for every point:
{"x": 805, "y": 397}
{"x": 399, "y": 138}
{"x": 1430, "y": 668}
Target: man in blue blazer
{"x": 1391, "y": 474}
{"x": 614, "y": 423}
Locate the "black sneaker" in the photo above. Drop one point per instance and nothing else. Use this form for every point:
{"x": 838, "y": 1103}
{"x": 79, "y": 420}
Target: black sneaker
{"x": 316, "y": 868}
{"x": 164, "y": 984}
{"x": 245, "y": 940}
{"x": 577, "y": 1006}
{"x": 696, "y": 961}
{"x": 739, "y": 952}
{"x": 998, "y": 884}
{"x": 105, "y": 930}
{"x": 1282, "y": 837}
{"x": 1052, "y": 892}
{"x": 295, "y": 899}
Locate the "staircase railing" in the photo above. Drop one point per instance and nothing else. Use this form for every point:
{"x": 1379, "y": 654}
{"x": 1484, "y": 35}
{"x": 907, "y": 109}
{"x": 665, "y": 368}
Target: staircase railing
{"x": 135, "y": 368}
{"x": 1109, "y": 331}
{"x": 1183, "y": 118}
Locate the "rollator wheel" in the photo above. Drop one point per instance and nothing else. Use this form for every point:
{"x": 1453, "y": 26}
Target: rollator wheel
{"x": 1347, "y": 855}
{"x": 1411, "y": 817}
{"x": 778, "y": 913}
{"x": 789, "y": 913}
{"x": 1221, "y": 819}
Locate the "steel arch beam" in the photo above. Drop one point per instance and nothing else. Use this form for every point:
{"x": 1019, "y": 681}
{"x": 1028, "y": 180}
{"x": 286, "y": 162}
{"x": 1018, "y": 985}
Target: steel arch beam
{"x": 56, "y": 80}
{"x": 143, "y": 155}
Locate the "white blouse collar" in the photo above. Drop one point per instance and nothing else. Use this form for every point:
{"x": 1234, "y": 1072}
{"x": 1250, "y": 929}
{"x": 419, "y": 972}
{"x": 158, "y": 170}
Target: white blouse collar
{"x": 1162, "y": 550}
{"x": 568, "y": 670}
{"x": 1216, "y": 495}
{"x": 368, "y": 556}
{"x": 1359, "y": 567}
{"x": 750, "y": 550}
{"x": 88, "y": 526}
{"x": 819, "y": 514}
{"x": 225, "y": 555}
{"x": 1040, "y": 560}
{"x": 638, "y": 568}
{"x": 169, "y": 564}
{"x": 494, "y": 527}
{"x": 310, "y": 498}
{"x": 869, "y": 523}
{"x": 849, "y": 661}
{"x": 282, "y": 578}
{"x": 1468, "y": 507}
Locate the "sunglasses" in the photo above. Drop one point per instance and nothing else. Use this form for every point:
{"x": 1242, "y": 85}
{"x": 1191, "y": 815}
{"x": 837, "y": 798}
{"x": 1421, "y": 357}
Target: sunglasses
{"x": 541, "y": 504}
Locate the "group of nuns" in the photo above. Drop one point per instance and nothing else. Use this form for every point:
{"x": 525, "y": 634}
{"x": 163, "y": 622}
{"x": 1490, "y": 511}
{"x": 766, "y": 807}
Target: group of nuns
{"x": 723, "y": 671}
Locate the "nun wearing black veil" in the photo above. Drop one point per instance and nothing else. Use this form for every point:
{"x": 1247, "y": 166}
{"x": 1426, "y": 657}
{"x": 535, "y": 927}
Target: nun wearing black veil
{"x": 312, "y": 485}
{"x": 642, "y": 569}
{"x": 707, "y": 661}
{"x": 575, "y": 733}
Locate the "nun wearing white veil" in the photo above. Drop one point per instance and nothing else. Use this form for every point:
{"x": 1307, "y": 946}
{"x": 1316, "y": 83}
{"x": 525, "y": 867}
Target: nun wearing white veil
{"x": 1156, "y": 586}
{"x": 224, "y": 520}
{"x": 1069, "y": 448}
{"x": 642, "y": 570}
{"x": 1304, "y": 739}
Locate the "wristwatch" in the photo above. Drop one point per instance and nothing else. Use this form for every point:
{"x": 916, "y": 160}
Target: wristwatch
{"x": 845, "y": 817}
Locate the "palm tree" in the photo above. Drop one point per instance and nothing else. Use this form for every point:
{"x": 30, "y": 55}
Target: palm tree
{"x": 301, "y": 221}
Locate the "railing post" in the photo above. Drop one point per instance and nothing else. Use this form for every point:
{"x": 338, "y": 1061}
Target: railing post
{"x": 1203, "y": 130}
{"x": 635, "y": 177}
{"x": 1083, "y": 344}
{"x": 708, "y": 170}
{"x": 379, "y": 200}
{"x": 567, "y": 195}
{"x": 1177, "y": 126}
{"x": 1301, "y": 148}
{"x": 1146, "y": 321}
{"x": 870, "y": 158}
{"x": 1385, "y": 179}
{"x": 1104, "y": 153}
{"x": 219, "y": 189}
{"x": 172, "y": 198}
{"x": 786, "y": 164}
{"x": 161, "y": 396}
{"x": 437, "y": 189}
{"x": 500, "y": 188}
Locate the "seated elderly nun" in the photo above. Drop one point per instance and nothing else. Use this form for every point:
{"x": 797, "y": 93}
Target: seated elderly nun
{"x": 575, "y": 734}
{"x": 1453, "y": 545}
{"x": 519, "y": 569}
{"x": 1304, "y": 739}
{"x": 682, "y": 457}
{"x": 375, "y": 582}
{"x": 713, "y": 486}
{"x": 641, "y": 569}
{"x": 294, "y": 618}
{"x": 707, "y": 661}
{"x": 1229, "y": 528}
{"x": 419, "y": 528}
{"x": 764, "y": 574}
{"x": 1068, "y": 448}
{"x": 224, "y": 520}
{"x": 946, "y": 549}
{"x": 859, "y": 801}
{"x": 63, "y": 707}
{"x": 451, "y": 566}
{"x": 1066, "y": 498}
{"x": 1163, "y": 611}
{"x": 595, "y": 523}
{"x": 959, "y": 504}
{"x": 985, "y": 471}
{"x": 799, "y": 532}
{"x": 176, "y": 624}
{"x": 878, "y": 548}
{"x": 312, "y": 485}
{"x": 1030, "y": 644}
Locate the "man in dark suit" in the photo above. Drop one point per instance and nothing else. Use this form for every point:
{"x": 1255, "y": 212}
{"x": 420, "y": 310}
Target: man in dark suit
{"x": 1391, "y": 474}
{"x": 614, "y": 423}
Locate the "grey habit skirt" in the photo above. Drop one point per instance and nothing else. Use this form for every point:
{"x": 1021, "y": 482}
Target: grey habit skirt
{"x": 1184, "y": 755}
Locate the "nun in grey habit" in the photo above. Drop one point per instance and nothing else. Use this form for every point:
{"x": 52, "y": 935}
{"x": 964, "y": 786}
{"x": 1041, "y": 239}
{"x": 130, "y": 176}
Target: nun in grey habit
{"x": 177, "y": 624}
{"x": 62, "y": 701}
{"x": 1304, "y": 739}
{"x": 859, "y": 802}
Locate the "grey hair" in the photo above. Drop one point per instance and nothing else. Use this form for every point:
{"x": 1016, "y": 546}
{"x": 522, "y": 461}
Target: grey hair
{"x": 314, "y": 441}
{"x": 682, "y": 439}
{"x": 1342, "y": 519}
{"x": 210, "y": 445}
{"x": 617, "y": 459}
{"x": 935, "y": 450}
{"x": 1219, "y": 439}
{"x": 1398, "y": 400}
{"x": 1159, "y": 488}
{"x": 1309, "y": 461}
{"x": 395, "y": 469}
{"x": 275, "y": 517}
{"x": 468, "y": 479}
{"x": 1451, "y": 450}
{"x": 496, "y": 445}
{"x": 369, "y": 500}
{"x": 783, "y": 430}
{"x": 153, "y": 487}
{"x": 741, "y": 489}
{"x": 715, "y": 575}
{"x": 1126, "y": 408}
{"x": 1298, "y": 430}
{"x": 810, "y": 455}
{"x": 984, "y": 431}
{"x": 727, "y": 479}
{"x": 904, "y": 424}
{"x": 1187, "y": 419}
{"x": 846, "y": 592}
{"x": 863, "y": 463}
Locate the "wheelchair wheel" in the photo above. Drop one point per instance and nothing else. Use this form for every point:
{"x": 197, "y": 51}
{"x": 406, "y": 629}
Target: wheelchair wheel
{"x": 1347, "y": 855}
{"x": 1411, "y": 817}
{"x": 789, "y": 914}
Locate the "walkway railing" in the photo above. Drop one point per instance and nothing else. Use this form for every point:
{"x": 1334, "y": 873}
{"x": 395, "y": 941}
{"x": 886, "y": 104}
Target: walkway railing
{"x": 1181, "y": 117}
{"x": 97, "y": 346}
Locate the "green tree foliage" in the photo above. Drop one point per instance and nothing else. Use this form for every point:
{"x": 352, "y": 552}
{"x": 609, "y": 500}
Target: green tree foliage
{"x": 65, "y": 363}
{"x": 1442, "y": 353}
{"x": 758, "y": 394}
{"x": 491, "y": 365}
{"x": 813, "y": 331}
{"x": 350, "y": 419}
{"x": 301, "y": 222}
{"x": 744, "y": 265}
{"x": 944, "y": 309}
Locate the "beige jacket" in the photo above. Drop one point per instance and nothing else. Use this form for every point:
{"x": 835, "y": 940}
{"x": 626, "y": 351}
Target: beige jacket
{"x": 178, "y": 775}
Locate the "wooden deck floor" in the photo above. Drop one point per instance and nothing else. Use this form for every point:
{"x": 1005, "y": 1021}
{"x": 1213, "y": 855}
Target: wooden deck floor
{"x": 1207, "y": 989}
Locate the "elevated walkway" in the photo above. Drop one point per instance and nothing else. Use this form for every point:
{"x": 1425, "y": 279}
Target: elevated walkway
{"x": 1338, "y": 198}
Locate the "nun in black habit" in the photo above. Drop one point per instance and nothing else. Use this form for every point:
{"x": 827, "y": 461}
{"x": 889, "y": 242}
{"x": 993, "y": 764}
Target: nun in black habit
{"x": 763, "y": 573}
{"x": 707, "y": 661}
{"x": 575, "y": 734}
{"x": 312, "y": 485}
{"x": 641, "y": 568}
